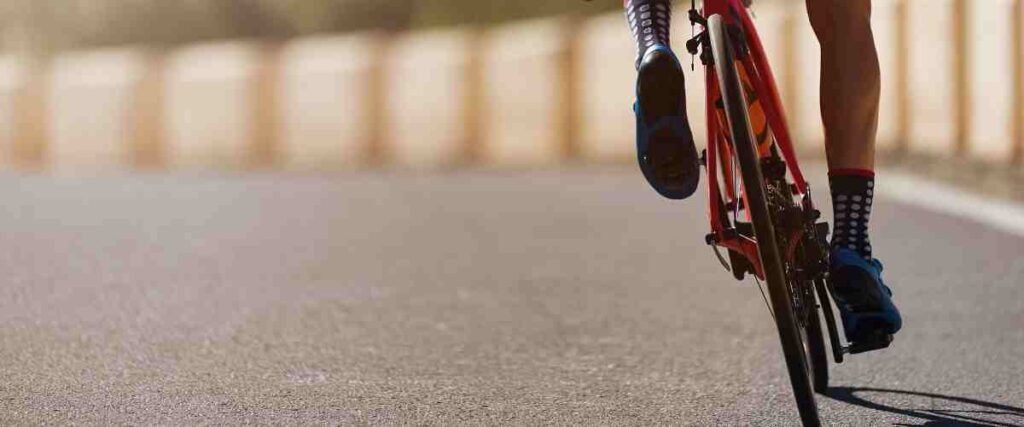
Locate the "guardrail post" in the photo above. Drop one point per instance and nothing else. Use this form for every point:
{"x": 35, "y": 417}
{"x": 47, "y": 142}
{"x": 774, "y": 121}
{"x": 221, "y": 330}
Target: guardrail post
{"x": 569, "y": 88}
{"x": 31, "y": 115}
{"x": 145, "y": 119}
{"x": 961, "y": 77}
{"x": 264, "y": 149}
{"x": 376, "y": 149}
{"x": 474, "y": 102}
{"x": 902, "y": 70}
{"x": 1018, "y": 83}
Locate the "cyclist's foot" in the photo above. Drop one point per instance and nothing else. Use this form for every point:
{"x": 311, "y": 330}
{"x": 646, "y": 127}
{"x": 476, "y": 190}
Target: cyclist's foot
{"x": 665, "y": 148}
{"x": 865, "y": 303}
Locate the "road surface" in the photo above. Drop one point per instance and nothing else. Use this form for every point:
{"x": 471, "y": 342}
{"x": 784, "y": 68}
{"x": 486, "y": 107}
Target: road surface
{"x": 500, "y": 298}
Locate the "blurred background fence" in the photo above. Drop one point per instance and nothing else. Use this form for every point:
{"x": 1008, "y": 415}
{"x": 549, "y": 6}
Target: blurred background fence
{"x": 335, "y": 84}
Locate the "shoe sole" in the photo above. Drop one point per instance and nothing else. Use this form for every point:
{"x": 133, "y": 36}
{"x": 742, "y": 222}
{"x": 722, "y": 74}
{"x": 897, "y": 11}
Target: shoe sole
{"x": 661, "y": 93}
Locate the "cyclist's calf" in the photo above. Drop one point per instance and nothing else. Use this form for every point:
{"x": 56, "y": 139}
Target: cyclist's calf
{"x": 838, "y": 17}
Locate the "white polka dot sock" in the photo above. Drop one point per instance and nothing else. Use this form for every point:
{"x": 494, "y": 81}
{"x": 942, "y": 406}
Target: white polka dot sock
{"x": 852, "y": 196}
{"x": 650, "y": 21}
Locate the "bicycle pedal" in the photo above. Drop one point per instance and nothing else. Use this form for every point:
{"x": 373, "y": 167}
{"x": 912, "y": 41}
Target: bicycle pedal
{"x": 875, "y": 342}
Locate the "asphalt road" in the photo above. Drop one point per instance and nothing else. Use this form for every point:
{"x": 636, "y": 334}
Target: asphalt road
{"x": 517, "y": 298}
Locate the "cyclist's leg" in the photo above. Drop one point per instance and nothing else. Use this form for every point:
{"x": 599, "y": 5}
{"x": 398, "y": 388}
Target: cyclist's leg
{"x": 665, "y": 148}
{"x": 850, "y": 91}
{"x": 850, "y": 81}
{"x": 850, "y": 86}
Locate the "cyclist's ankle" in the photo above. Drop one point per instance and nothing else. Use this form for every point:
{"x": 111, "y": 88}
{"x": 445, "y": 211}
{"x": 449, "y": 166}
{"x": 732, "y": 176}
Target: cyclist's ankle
{"x": 852, "y": 199}
{"x": 650, "y": 21}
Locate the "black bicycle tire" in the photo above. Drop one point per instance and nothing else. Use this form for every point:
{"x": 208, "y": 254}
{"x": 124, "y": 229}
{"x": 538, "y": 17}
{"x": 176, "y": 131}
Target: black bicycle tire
{"x": 817, "y": 352}
{"x": 747, "y": 155}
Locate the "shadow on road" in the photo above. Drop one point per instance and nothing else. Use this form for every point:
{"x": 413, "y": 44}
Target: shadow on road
{"x": 968, "y": 412}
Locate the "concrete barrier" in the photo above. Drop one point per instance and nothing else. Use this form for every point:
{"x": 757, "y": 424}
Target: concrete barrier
{"x": 990, "y": 104}
{"x": 523, "y": 76}
{"x": 427, "y": 99}
{"x": 326, "y": 101}
{"x": 524, "y": 94}
{"x": 91, "y": 100}
{"x": 209, "y": 92}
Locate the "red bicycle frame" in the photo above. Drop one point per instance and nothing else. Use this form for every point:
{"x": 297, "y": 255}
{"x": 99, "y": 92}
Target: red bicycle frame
{"x": 759, "y": 73}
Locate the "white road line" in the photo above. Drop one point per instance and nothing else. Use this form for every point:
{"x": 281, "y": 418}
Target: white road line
{"x": 999, "y": 214}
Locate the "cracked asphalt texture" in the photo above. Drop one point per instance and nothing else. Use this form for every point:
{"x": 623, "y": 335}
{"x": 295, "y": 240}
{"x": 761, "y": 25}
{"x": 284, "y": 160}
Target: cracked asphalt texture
{"x": 574, "y": 297}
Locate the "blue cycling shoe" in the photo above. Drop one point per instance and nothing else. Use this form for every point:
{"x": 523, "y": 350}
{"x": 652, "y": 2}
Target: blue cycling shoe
{"x": 865, "y": 303}
{"x": 664, "y": 142}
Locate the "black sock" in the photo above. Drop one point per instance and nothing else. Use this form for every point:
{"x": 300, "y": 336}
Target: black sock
{"x": 853, "y": 192}
{"x": 650, "y": 21}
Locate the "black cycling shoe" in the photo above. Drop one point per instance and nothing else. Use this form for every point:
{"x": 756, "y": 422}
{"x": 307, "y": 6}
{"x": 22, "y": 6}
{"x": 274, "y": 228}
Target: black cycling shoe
{"x": 665, "y": 148}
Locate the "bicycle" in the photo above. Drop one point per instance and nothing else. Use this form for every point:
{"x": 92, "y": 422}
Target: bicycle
{"x": 779, "y": 238}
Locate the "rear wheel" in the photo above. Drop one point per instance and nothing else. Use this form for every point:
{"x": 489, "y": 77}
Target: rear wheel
{"x": 803, "y": 272}
{"x": 735, "y": 103}
{"x": 817, "y": 355}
